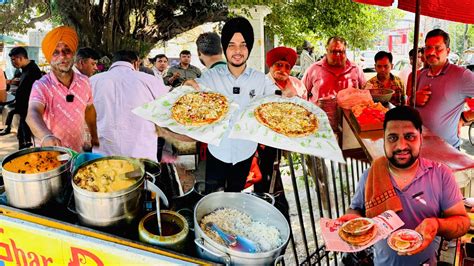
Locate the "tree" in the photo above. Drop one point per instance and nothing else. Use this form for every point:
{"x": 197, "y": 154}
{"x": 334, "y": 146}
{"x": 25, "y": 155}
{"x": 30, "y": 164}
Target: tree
{"x": 359, "y": 24}
{"x": 109, "y": 26}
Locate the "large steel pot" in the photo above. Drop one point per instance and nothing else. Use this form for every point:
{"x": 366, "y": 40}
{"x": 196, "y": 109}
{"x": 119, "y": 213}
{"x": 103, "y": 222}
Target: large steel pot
{"x": 32, "y": 191}
{"x": 104, "y": 209}
{"x": 258, "y": 209}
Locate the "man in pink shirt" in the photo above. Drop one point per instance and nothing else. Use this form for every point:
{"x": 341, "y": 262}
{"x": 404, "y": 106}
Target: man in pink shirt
{"x": 332, "y": 73}
{"x": 61, "y": 100}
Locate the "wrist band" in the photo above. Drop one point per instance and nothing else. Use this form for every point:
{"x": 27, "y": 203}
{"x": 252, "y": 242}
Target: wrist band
{"x": 44, "y": 138}
{"x": 464, "y": 118}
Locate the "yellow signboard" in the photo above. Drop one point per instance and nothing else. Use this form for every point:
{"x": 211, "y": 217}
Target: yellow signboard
{"x": 30, "y": 244}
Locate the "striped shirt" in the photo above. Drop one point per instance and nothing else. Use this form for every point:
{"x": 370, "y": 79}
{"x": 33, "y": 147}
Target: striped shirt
{"x": 64, "y": 119}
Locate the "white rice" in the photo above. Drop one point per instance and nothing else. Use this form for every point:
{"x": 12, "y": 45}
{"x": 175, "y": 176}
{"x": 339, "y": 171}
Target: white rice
{"x": 267, "y": 237}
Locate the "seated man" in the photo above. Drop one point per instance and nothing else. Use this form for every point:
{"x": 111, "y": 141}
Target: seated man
{"x": 384, "y": 79}
{"x": 423, "y": 193}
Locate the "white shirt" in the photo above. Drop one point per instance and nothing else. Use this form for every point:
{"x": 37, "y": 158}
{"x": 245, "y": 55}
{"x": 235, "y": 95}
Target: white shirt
{"x": 251, "y": 83}
{"x": 116, "y": 93}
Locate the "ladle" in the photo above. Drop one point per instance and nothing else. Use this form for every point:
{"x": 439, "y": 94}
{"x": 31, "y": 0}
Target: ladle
{"x": 235, "y": 242}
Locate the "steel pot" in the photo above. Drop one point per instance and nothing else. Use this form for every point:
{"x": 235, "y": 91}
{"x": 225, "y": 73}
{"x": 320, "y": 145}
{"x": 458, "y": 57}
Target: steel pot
{"x": 104, "y": 209}
{"x": 32, "y": 191}
{"x": 258, "y": 209}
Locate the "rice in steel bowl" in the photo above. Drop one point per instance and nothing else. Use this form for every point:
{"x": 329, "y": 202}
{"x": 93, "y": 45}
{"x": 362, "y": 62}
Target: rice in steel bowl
{"x": 235, "y": 222}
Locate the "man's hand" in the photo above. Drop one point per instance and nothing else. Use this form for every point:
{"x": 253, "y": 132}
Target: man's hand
{"x": 192, "y": 83}
{"x": 348, "y": 217}
{"x": 95, "y": 141}
{"x": 50, "y": 141}
{"x": 428, "y": 229}
{"x": 423, "y": 95}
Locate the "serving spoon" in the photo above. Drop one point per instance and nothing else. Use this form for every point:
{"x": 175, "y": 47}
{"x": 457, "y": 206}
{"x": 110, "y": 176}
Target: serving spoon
{"x": 235, "y": 242}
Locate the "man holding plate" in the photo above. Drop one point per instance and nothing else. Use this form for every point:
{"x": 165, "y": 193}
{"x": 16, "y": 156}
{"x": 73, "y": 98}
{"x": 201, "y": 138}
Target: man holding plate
{"x": 228, "y": 164}
{"x": 424, "y": 194}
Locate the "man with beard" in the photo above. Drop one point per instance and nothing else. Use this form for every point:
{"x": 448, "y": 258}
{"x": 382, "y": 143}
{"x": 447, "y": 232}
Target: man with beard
{"x": 443, "y": 89}
{"x": 61, "y": 100}
{"x": 228, "y": 164}
{"x": 423, "y": 193}
{"x": 332, "y": 73}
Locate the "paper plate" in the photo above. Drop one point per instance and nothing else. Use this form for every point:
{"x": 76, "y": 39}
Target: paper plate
{"x": 405, "y": 240}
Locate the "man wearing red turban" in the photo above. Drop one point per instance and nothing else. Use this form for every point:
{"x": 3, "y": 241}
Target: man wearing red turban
{"x": 61, "y": 100}
{"x": 281, "y": 60}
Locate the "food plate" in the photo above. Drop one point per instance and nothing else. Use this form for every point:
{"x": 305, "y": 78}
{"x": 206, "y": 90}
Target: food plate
{"x": 405, "y": 240}
{"x": 358, "y": 226}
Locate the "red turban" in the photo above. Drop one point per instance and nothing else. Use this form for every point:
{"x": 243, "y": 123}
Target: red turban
{"x": 64, "y": 34}
{"x": 281, "y": 53}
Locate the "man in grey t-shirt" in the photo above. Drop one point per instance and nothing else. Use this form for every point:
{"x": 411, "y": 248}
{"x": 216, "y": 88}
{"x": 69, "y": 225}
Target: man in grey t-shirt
{"x": 443, "y": 89}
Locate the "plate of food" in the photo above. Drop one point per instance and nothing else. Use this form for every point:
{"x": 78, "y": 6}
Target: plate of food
{"x": 287, "y": 118}
{"x": 199, "y": 108}
{"x": 358, "y": 232}
{"x": 405, "y": 240}
{"x": 291, "y": 124}
{"x": 203, "y": 115}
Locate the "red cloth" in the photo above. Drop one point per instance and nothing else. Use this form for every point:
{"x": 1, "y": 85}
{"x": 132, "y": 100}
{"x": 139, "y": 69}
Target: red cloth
{"x": 453, "y": 10}
{"x": 281, "y": 53}
{"x": 380, "y": 195}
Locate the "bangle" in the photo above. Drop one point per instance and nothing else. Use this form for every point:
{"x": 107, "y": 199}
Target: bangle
{"x": 464, "y": 118}
{"x": 44, "y": 138}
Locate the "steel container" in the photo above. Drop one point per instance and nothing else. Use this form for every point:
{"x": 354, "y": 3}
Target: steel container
{"x": 103, "y": 209}
{"x": 257, "y": 209}
{"x": 33, "y": 191}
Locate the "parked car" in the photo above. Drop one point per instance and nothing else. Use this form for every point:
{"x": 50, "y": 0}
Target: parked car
{"x": 399, "y": 65}
{"x": 366, "y": 61}
{"x": 467, "y": 59}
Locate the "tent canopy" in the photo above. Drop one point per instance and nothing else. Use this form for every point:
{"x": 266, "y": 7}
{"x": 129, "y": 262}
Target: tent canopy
{"x": 453, "y": 10}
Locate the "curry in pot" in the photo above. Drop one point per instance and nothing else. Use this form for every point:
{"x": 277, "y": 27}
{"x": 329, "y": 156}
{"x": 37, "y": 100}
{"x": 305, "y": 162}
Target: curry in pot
{"x": 34, "y": 162}
{"x": 105, "y": 175}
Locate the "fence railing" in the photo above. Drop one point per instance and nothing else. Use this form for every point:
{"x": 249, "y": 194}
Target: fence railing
{"x": 326, "y": 192}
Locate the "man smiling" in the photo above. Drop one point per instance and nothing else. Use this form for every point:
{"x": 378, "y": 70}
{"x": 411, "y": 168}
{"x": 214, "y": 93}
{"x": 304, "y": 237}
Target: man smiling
{"x": 405, "y": 183}
{"x": 228, "y": 164}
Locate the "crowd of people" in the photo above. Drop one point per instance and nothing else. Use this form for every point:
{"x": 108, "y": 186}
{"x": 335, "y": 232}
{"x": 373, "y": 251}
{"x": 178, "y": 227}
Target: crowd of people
{"x": 60, "y": 107}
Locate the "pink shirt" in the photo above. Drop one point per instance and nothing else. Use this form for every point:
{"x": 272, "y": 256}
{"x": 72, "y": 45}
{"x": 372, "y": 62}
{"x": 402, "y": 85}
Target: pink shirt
{"x": 322, "y": 81}
{"x": 64, "y": 119}
{"x": 294, "y": 87}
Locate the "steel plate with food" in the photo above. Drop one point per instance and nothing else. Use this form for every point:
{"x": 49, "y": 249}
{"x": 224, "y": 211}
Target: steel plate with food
{"x": 405, "y": 240}
{"x": 358, "y": 232}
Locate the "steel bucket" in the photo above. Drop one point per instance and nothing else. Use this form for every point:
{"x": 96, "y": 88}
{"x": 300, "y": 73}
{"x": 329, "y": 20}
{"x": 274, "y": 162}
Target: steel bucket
{"x": 103, "y": 209}
{"x": 33, "y": 191}
{"x": 257, "y": 209}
